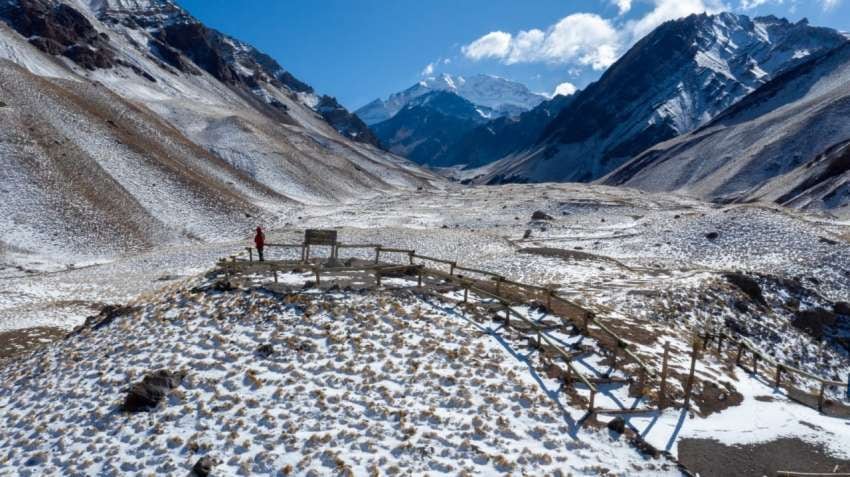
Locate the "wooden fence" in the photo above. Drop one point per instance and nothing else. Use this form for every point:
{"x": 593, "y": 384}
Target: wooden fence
{"x": 582, "y": 319}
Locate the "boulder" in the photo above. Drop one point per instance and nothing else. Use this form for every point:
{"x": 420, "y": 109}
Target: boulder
{"x": 540, "y": 215}
{"x": 203, "y": 467}
{"x": 841, "y": 308}
{"x": 265, "y": 350}
{"x": 618, "y": 425}
{"x": 712, "y": 236}
{"x": 527, "y": 234}
{"x": 747, "y": 285}
{"x": 147, "y": 394}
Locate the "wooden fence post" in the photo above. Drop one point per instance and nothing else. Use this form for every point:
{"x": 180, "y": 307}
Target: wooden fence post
{"x": 778, "y": 379}
{"x": 690, "y": 384}
{"x": 539, "y": 342}
{"x": 378, "y": 277}
{"x": 499, "y": 285}
{"x": 662, "y": 392}
{"x": 377, "y": 254}
{"x": 452, "y": 269}
{"x": 307, "y": 253}
{"x": 318, "y": 277}
{"x": 410, "y": 256}
{"x": 590, "y": 405}
{"x": 507, "y": 316}
{"x": 738, "y": 355}
{"x": 275, "y": 275}
{"x": 250, "y": 254}
{"x": 465, "y": 292}
{"x": 420, "y": 277}
{"x": 821, "y": 396}
{"x": 720, "y": 342}
{"x": 755, "y": 364}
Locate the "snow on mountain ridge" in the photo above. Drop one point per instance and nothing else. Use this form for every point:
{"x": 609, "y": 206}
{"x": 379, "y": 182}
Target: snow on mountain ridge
{"x": 502, "y": 96}
{"x": 671, "y": 82}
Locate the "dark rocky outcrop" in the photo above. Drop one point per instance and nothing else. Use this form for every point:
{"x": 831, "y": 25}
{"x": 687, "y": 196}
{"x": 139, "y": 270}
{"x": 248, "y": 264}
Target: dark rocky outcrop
{"x": 841, "y": 308}
{"x": 815, "y": 321}
{"x": 203, "y": 467}
{"x": 540, "y": 215}
{"x": 58, "y": 29}
{"x": 747, "y": 285}
{"x": 147, "y": 394}
{"x": 347, "y": 123}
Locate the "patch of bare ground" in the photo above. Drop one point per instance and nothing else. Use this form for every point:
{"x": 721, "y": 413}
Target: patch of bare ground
{"x": 575, "y": 255}
{"x": 13, "y": 343}
{"x": 710, "y": 458}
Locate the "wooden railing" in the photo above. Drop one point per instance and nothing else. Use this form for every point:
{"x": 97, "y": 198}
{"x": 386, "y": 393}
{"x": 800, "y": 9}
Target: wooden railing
{"x": 582, "y": 322}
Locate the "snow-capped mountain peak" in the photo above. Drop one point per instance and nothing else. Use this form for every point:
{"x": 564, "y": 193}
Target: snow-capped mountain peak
{"x": 492, "y": 93}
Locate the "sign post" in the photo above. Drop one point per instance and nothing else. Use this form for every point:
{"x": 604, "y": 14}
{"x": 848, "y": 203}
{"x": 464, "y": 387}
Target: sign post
{"x": 326, "y": 238}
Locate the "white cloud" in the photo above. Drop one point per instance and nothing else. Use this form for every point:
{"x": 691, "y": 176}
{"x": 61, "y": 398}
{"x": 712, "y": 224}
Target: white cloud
{"x": 428, "y": 70}
{"x": 587, "y": 39}
{"x": 564, "y": 89}
{"x": 830, "y": 4}
{"x": 666, "y": 10}
{"x": 623, "y": 5}
{"x": 496, "y": 44}
{"x": 582, "y": 38}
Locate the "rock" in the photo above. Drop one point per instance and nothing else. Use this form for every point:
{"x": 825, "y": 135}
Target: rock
{"x": 618, "y": 425}
{"x": 265, "y": 350}
{"x": 828, "y": 241}
{"x": 107, "y": 315}
{"x": 527, "y": 234}
{"x": 203, "y": 467}
{"x": 712, "y": 236}
{"x": 814, "y": 321}
{"x": 540, "y": 215}
{"x": 841, "y": 308}
{"x": 747, "y": 285}
{"x": 153, "y": 388}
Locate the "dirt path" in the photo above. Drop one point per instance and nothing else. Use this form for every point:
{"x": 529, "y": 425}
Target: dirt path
{"x": 710, "y": 458}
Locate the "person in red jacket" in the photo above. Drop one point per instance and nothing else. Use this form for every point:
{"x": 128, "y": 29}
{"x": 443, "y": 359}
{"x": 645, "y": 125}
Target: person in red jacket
{"x": 260, "y": 242}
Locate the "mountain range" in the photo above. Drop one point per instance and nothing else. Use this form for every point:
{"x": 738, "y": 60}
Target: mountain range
{"x": 128, "y": 123}
{"x": 788, "y": 142}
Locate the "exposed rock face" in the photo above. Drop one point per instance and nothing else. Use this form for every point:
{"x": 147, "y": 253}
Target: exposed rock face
{"x": 348, "y": 124}
{"x": 147, "y": 394}
{"x": 58, "y": 29}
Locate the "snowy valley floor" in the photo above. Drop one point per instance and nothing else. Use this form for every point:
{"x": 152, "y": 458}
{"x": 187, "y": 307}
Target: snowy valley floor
{"x": 651, "y": 266}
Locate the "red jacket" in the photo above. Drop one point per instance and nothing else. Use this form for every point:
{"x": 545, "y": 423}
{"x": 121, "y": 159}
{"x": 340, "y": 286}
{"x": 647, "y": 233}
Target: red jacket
{"x": 260, "y": 238}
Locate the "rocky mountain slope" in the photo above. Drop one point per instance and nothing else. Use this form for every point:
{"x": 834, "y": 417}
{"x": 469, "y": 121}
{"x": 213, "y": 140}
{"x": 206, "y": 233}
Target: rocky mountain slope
{"x": 129, "y": 123}
{"x": 501, "y": 136}
{"x": 493, "y": 96}
{"x": 787, "y": 142}
{"x": 672, "y": 81}
{"x": 428, "y": 125}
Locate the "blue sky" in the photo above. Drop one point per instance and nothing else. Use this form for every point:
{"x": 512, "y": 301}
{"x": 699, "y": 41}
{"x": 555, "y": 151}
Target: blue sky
{"x": 358, "y": 50}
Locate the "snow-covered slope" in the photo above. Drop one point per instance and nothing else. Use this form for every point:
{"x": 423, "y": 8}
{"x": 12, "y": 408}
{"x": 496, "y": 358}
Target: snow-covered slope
{"x": 674, "y": 80}
{"x": 494, "y": 96}
{"x": 128, "y": 123}
{"x": 787, "y": 142}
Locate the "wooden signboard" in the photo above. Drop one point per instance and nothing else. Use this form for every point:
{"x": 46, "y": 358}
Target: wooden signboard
{"x": 320, "y": 237}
